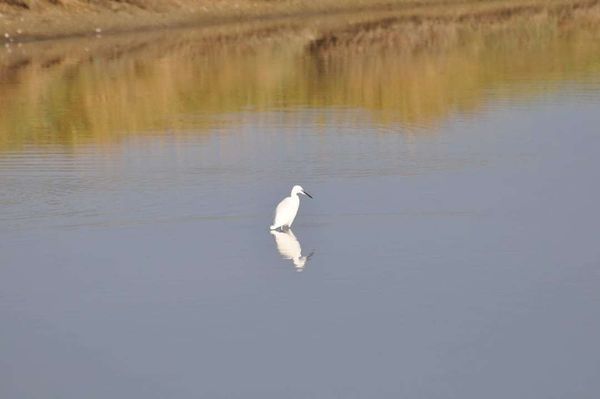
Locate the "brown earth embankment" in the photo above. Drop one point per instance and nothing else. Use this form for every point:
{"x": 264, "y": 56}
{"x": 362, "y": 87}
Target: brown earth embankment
{"x": 29, "y": 20}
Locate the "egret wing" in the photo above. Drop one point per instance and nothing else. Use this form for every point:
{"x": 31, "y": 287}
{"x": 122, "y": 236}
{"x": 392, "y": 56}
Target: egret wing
{"x": 282, "y": 212}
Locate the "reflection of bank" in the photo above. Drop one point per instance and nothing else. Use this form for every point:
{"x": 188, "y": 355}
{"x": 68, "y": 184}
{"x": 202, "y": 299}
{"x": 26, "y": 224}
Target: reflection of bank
{"x": 289, "y": 247}
{"x": 391, "y": 85}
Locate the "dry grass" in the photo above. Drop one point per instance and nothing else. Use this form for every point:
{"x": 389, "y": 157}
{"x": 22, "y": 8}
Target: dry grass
{"x": 26, "y": 20}
{"x": 413, "y": 31}
{"x": 73, "y": 92}
{"x": 409, "y": 66}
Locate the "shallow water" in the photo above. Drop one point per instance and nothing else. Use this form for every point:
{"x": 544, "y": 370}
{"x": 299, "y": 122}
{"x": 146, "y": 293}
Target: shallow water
{"x": 451, "y": 249}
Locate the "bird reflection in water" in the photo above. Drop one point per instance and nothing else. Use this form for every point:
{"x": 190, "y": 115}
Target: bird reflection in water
{"x": 289, "y": 248}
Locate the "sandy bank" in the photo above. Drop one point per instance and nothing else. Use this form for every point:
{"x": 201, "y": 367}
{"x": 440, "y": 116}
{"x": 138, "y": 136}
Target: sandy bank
{"x": 30, "y": 20}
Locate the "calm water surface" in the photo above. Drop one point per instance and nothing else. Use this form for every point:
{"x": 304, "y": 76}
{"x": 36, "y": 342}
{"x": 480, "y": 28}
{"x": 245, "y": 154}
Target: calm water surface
{"x": 451, "y": 249}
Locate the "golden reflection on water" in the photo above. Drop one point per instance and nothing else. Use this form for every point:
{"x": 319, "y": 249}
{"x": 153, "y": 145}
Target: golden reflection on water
{"x": 78, "y": 92}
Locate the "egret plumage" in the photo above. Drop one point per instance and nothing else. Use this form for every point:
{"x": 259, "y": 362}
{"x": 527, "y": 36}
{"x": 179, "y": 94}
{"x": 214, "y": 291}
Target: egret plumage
{"x": 286, "y": 211}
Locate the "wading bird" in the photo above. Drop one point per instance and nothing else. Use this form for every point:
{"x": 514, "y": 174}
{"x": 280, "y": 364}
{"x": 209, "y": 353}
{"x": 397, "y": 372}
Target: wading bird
{"x": 286, "y": 211}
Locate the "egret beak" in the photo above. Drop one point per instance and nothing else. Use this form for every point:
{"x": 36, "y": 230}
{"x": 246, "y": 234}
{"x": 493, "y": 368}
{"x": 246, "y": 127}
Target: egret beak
{"x": 307, "y": 194}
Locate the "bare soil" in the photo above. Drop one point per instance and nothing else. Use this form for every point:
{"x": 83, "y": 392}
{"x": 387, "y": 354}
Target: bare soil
{"x": 30, "y": 20}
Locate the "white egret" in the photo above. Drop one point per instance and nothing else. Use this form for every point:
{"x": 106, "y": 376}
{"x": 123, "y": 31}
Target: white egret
{"x": 286, "y": 211}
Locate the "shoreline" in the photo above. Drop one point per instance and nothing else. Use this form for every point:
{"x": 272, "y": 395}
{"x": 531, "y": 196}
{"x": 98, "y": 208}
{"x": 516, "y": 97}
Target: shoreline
{"x": 94, "y": 90}
{"x": 328, "y": 19}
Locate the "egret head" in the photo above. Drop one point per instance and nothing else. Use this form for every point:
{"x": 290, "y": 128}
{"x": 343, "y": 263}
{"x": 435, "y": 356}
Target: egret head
{"x": 299, "y": 190}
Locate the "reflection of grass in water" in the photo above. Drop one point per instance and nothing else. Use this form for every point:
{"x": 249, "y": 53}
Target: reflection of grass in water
{"x": 422, "y": 88}
{"x": 66, "y": 96}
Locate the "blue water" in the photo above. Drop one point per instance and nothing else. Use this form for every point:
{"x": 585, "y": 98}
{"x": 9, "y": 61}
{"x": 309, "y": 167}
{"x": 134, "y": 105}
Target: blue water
{"x": 459, "y": 260}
